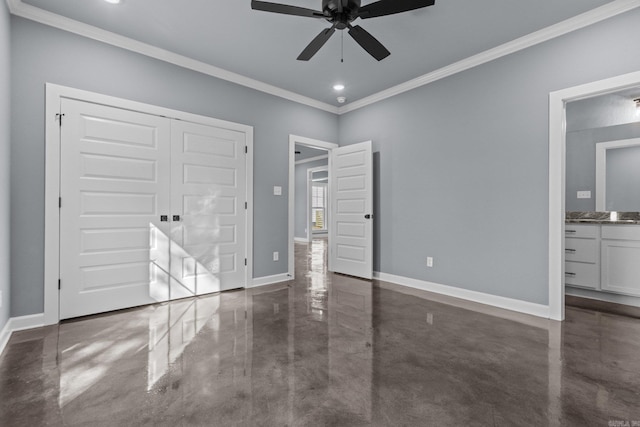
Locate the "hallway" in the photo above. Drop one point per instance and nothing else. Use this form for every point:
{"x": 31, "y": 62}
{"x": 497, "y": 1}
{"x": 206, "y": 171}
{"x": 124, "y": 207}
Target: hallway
{"x": 323, "y": 350}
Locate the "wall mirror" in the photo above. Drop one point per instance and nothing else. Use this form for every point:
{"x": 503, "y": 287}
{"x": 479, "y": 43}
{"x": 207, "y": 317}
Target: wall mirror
{"x": 603, "y": 153}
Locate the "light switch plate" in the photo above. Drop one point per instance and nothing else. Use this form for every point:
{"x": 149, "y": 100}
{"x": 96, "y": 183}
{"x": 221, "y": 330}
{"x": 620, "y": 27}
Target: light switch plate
{"x": 277, "y": 190}
{"x": 584, "y": 194}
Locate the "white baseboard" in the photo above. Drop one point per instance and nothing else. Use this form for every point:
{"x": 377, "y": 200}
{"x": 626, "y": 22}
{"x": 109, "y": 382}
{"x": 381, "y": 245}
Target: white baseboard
{"x": 300, "y": 240}
{"x": 519, "y": 306}
{"x": 21, "y": 323}
{"x": 5, "y": 335}
{"x": 269, "y": 280}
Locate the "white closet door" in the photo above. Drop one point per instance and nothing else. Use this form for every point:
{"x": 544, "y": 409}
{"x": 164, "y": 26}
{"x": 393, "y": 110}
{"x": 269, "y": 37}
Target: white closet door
{"x": 115, "y": 180}
{"x": 208, "y": 191}
{"x": 351, "y": 230}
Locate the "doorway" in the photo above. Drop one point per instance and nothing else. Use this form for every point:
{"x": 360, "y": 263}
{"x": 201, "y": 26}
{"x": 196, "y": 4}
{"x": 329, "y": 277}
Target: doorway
{"x": 306, "y": 156}
{"x": 557, "y": 177}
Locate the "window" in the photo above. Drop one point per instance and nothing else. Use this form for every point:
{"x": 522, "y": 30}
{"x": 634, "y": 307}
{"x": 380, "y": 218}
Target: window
{"x": 318, "y": 206}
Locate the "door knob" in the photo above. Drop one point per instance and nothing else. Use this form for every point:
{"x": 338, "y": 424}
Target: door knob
{"x": 368, "y": 216}
{"x": 176, "y": 217}
{"x": 164, "y": 218}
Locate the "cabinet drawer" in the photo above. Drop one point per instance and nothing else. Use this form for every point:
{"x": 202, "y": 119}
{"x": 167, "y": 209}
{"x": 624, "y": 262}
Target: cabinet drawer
{"x": 621, "y": 232}
{"x": 584, "y": 250}
{"x": 579, "y": 230}
{"x": 621, "y": 266}
{"x": 582, "y": 275}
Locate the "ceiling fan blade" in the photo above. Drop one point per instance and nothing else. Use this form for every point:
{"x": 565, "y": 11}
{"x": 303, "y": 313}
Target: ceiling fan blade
{"x": 390, "y": 7}
{"x": 315, "y": 45}
{"x": 368, "y": 42}
{"x": 285, "y": 9}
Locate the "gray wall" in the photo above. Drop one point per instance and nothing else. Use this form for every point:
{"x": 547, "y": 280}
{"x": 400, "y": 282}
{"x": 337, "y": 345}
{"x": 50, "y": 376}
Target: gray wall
{"x": 623, "y": 180}
{"x": 462, "y": 164}
{"x": 581, "y": 161}
{"x": 42, "y": 54}
{"x": 300, "y": 206}
{"x": 5, "y": 85}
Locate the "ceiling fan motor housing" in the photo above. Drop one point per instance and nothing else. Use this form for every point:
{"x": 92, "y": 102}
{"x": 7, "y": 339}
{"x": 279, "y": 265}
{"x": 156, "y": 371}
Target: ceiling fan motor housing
{"x": 348, "y": 14}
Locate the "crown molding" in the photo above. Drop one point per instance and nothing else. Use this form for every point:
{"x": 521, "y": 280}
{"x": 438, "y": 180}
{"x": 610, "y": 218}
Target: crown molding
{"x": 616, "y": 7}
{"x": 18, "y": 8}
{"x": 577, "y": 22}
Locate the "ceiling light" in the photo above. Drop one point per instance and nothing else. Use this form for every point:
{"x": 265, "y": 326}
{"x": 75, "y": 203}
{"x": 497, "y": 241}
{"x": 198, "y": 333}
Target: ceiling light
{"x": 338, "y": 87}
{"x": 113, "y": 1}
{"x": 341, "y": 99}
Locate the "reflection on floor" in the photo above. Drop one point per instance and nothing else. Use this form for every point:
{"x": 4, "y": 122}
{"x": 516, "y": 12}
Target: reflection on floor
{"x": 324, "y": 350}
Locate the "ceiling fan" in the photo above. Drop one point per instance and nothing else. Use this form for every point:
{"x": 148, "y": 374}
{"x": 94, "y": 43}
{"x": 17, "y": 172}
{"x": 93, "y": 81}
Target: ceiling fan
{"x": 340, "y": 13}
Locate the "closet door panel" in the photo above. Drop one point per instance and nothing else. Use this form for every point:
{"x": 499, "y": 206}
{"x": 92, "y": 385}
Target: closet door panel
{"x": 114, "y": 186}
{"x": 208, "y": 190}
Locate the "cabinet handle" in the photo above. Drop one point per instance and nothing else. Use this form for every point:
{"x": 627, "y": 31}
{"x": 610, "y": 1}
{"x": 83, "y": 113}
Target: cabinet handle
{"x": 569, "y": 250}
{"x": 569, "y": 274}
{"x": 570, "y": 231}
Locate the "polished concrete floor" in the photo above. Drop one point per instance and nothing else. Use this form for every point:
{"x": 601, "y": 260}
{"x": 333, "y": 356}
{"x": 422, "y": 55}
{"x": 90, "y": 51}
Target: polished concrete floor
{"x": 324, "y": 350}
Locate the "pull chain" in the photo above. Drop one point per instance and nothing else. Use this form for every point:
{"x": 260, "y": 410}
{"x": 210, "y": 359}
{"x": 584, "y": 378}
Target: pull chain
{"x": 342, "y": 46}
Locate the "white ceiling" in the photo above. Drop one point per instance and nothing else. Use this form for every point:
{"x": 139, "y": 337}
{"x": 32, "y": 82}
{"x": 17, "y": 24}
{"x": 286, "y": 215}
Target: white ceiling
{"x": 264, "y": 46}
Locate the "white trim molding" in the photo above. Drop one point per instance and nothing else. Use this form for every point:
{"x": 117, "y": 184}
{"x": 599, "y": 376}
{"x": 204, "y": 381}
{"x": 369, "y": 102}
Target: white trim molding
{"x": 270, "y": 280}
{"x": 609, "y": 10}
{"x": 15, "y": 324}
{"x": 557, "y": 183}
{"x": 23, "y": 10}
{"x": 511, "y": 304}
{"x": 577, "y": 22}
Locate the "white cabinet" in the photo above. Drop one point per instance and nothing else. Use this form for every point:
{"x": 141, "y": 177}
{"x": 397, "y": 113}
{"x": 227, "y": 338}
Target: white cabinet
{"x": 582, "y": 256}
{"x": 620, "y": 249}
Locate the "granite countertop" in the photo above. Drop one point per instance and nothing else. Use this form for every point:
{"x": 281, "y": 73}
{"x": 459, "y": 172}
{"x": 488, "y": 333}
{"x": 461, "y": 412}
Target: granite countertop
{"x": 602, "y": 218}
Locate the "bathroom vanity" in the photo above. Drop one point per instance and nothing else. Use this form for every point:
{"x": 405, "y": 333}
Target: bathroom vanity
{"x": 602, "y": 252}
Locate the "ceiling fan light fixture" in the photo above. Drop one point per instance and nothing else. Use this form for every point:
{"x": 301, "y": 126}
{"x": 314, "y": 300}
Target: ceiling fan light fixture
{"x": 338, "y": 87}
{"x": 341, "y": 99}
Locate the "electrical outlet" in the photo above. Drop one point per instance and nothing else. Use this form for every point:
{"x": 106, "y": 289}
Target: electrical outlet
{"x": 584, "y": 194}
{"x": 277, "y": 190}
{"x": 430, "y": 318}
{"x": 429, "y": 261}
{"x": 276, "y": 256}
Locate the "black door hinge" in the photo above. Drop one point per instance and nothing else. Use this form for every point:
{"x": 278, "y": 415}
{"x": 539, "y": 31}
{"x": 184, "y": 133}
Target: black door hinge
{"x": 246, "y": 149}
{"x": 59, "y": 202}
{"x": 245, "y": 261}
{"x": 59, "y": 284}
{"x": 245, "y": 205}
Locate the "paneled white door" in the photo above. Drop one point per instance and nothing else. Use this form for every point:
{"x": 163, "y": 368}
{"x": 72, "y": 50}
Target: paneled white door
{"x": 351, "y": 231}
{"x": 208, "y": 202}
{"x": 153, "y": 209}
{"x": 114, "y": 185}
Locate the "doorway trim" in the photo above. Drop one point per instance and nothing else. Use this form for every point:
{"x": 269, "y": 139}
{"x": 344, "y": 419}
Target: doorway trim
{"x": 54, "y": 95}
{"x": 557, "y": 180}
{"x": 315, "y": 143}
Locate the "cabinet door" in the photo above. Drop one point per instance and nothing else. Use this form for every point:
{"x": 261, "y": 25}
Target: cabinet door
{"x": 621, "y": 266}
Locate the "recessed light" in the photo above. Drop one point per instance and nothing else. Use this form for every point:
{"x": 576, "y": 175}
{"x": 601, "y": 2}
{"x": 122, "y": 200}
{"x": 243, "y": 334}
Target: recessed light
{"x": 113, "y": 1}
{"x": 338, "y": 87}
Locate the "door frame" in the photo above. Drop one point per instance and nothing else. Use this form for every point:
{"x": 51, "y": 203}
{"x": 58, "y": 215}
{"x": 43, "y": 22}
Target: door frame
{"x": 315, "y": 143}
{"x": 54, "y": 95}
{"x": 557, "y": 179}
